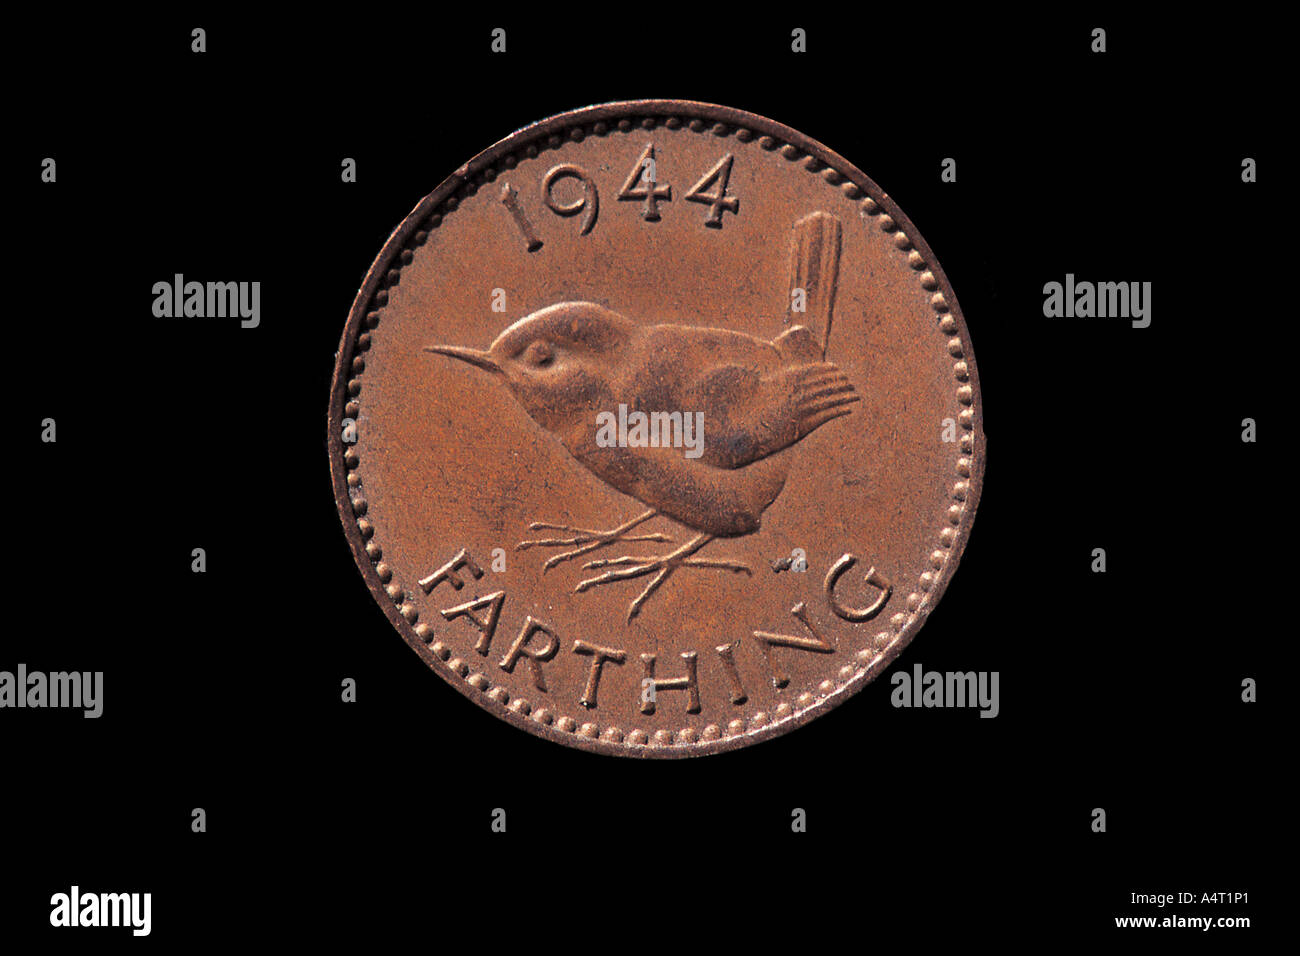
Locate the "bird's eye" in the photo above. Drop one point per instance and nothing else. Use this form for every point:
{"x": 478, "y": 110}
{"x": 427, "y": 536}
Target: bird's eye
{"x": 540, "y": 354}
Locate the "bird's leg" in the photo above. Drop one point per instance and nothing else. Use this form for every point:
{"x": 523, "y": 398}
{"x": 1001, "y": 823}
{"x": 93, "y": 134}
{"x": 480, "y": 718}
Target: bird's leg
{"x": 588, "y": 538}
{"x": 665, "y": 566}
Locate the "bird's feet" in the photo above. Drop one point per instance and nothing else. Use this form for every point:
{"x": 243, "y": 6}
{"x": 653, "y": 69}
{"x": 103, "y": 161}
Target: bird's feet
{"x": 588, "y": 539}
{"x": 661, "y": 568}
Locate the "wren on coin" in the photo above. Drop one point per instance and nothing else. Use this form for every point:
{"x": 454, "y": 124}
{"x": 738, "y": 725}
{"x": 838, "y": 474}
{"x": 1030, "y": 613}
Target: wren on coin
{"x": 722, "y": 347}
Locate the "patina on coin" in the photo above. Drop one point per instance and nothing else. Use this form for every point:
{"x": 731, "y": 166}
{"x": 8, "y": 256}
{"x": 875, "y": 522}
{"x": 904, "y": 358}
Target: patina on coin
{"x": 655, "y": 429}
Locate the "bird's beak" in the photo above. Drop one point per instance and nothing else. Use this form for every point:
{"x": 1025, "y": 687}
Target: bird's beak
{"x": 472, "y": 356}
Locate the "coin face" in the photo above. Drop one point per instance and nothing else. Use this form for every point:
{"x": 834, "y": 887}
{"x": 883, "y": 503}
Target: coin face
{"x": 655, "y": 430}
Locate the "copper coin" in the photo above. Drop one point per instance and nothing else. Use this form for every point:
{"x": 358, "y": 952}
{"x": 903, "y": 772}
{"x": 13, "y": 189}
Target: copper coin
{"x": 655, "y": 429}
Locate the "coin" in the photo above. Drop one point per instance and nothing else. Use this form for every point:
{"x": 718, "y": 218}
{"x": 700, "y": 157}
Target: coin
{"x": 655, "y": 429}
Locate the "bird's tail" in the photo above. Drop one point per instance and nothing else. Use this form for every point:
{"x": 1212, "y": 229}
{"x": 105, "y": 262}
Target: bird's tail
{"x": 822, "y": 392}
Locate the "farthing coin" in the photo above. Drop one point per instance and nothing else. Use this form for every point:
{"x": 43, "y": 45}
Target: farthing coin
{"x": 655, "y": 429}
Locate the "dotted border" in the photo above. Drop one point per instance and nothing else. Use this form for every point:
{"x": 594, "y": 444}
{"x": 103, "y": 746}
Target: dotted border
{"x": 885, "y": 644}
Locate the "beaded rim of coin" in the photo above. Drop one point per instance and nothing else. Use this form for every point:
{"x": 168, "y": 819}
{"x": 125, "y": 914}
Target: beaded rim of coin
{"x": 854, "y": 187}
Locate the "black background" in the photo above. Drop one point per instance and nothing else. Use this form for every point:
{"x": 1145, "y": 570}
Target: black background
{"x": 329, "y": 821}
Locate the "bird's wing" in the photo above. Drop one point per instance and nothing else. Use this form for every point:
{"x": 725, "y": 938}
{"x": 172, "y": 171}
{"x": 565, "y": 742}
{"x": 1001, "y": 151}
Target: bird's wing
{"x": 749, "y": 415}
{"x": 757, "y": 397}
{"x": 822, "y": 392}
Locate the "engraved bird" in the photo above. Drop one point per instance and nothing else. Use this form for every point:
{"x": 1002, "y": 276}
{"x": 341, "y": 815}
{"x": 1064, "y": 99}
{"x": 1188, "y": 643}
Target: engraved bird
{"x": 567, "y": 363}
